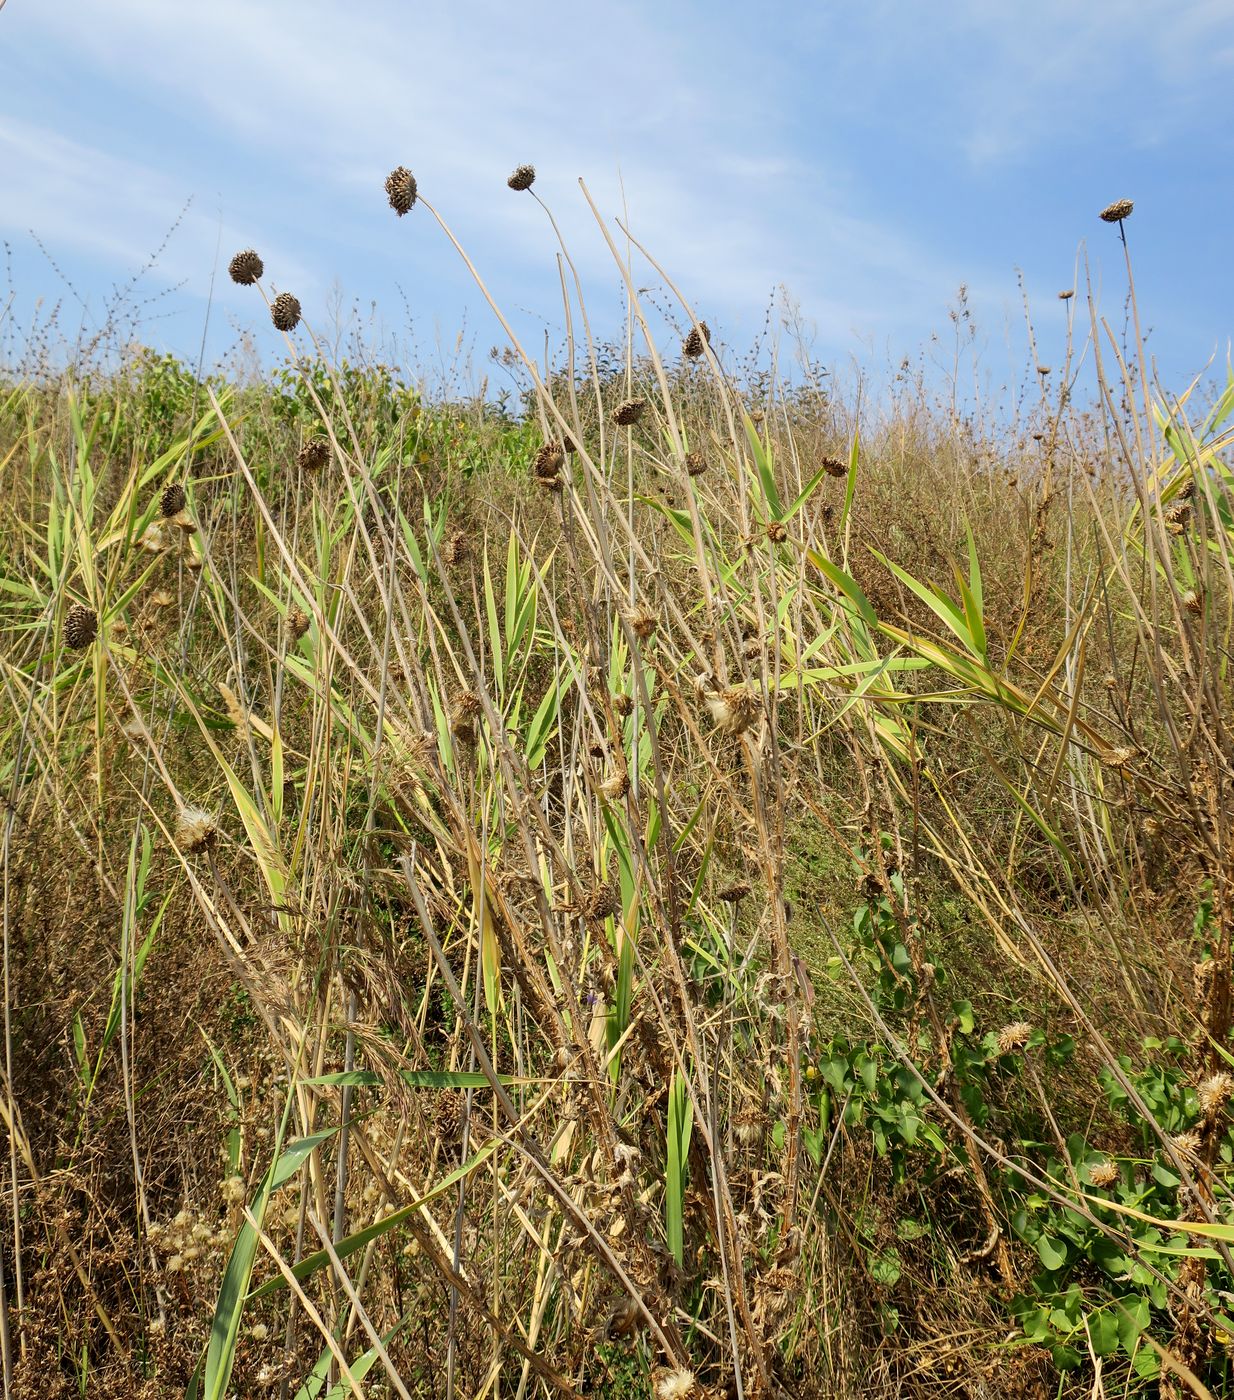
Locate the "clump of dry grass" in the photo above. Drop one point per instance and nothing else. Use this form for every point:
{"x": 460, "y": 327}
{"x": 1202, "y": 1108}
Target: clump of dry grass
{"x": 464, "y": 1001}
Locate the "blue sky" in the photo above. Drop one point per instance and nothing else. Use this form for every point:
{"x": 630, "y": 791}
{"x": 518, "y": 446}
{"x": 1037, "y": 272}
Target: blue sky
{"x": 868, "y": 157}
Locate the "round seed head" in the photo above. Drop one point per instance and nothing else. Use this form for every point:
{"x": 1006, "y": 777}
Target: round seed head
{"x": 697, "y": 341}
{"x": 297, "y": 623}
{"x": 523, "y": 178}
{"x": 1214, "y": 1092}
{"x": 549, "y": 461}
{"x": 171, "y": 502}
{"x": 314, "y": 455}
{"x": 195, "y": 829}
{"x": 448, "y": 1113}
{"x": 456, "y": 549}
{"x": 734, "y": 893}
{"x": 81, "y": 626}
{"x": 696, "y": 463}
{"x": 401, "y": 189}
{"x": 776, "y": 532}
{"x": 285, "y": 312}
{"x": 833, "y": 466}
{"x": 1066, "y": 295}
{"x": 1014, "y": 1037}
{"x": 1102, "y": 1173}
{"x": 245, "y": 268}
{"x": 642, "y": 621}
{"x": 629, "y": 412}
{"x": 1118, "y": 211}
{"x": 623, "y": 705}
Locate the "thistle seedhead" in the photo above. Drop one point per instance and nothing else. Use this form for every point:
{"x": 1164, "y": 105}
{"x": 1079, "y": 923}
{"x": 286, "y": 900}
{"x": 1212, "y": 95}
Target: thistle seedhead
{"x": 523, "y": 178}
{"x": 81, "y": 626}
{"x": 734, "y": 709}
{"x": 298, "y": 623}
{"x": 675, "y": 1385}
{"x": 628, "y": 413}
{"x": 314, "y": 456}
{"x": 548, "y": 461}
{"x": 696, "y": 343}
{"x": 1214, "y": 1092}
{"x": 285, "y": 312}
{"x": 833, "y": 466}
{"x": 696, "y": 464}
{"x": 734, "y": 893}
{"x": 401, "y": 189}
{"x": 642, "y": 621}
{"x": 1118, "y": 211}
{"x": 172, "y": 501}
{"x": 1014, "y": 1037}
{"x": 195, "y": 829}
{"x": 1102, "y": 1174}
{"x": 245, "y": 268}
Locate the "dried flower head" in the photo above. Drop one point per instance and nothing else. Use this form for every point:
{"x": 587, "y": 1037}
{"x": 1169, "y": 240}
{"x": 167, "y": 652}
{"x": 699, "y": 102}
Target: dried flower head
{"x": 1187, "y": 1144}
{"x": 1118, "y": 211}
{"x": 776, "y": 532}
{"x": 1066, "y": 295}
{"x": 697, "y": 341}
{"x": 675, "y": 1385}
{"x": 314, "y": 455}
{"x": 549, "y": 460}
{"x": 448, "y": 1113}
{"x": 1214, "y": 1092}
{"x": 642, "y": 621}
{"x": 615, "y": 787}
{"x": 195, "y": 829}
{"x": 1193, "y": 601}
{"x": 1043, "y": 370}
{"x": 456, "y": 549}
{"x": 1102, "y": 1174}
{"x": 1014, "y": 1037}
{"x": 463, "y": 716}
{"x": 401, "y": 189}
{"x": 172, "y": 501}
{"x": 749, "y": 1126}
{"x": 627, "y": 413}
{"x": 696, "y": 463}
{"x": 232, "y": 1190}
{"x": 734, "y": 709}
{"x": 623, "y": 705}
{"x": 1119, "y": 758}
{"x": 298, "y": 623}
{"x": 81, "y": 626}
{"x": 734, "y": 893}
{"x": 245, "y": 268}
{"x": 834, "y": 466}
{"x": 1177, "y": 518}
{"x": 285, "y": 312}
{"x": 523, "y": 178}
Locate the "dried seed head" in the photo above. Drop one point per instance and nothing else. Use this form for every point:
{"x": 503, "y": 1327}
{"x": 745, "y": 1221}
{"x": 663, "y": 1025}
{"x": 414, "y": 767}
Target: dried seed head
{"x": 642, "y": 621}
{"x": 456, "y": 549}
{"x": 1066, "y": 295}
{"x": 285, "y": 312}
{"x": 463, "y": 716}
{"x": 81, "y": 626}
{"x": 623, "y": 705}
{"x": 675, "y": 1385}
{"x": 1118, "y": 211}
{"x": 1102, "y": 1173}
{"x": 297, "y": 623}
{"x": 1014, "y": 1037}
{"x": 448, "y": 1113}
{"x": 232, "y": 1190}
{"x": 195, "y": 829}
{"x": 629, "y": 412}
{"x": 615, "y": 787}
{"x": 604, "y": 902}
{"x": 314, "y": 455}
{"x": 776, "y": 532}
{"x": 523, "y": 178}
{"x": 401, "y": 189}
{"x": 171, "y": 502}
{"x": 1193, "y": 601}
{"x": 734, "y": 893}
{"x": 733, "y": 709}
{"x": 1187, "y": 1144}
{"x": 696, "y": 463}
{"x": 1177, "y": 518}
{"x": 245, "y": 268}
{"x": 1043, "y": 370}
{"x": 697, "y": 341}
{"x": 1119, "y": 758}
{"x": 833, "y": 466}
{"x": 748, "y": 1126}
{"x": 1214, "y": 1092}
{"x": 549, "y": 460}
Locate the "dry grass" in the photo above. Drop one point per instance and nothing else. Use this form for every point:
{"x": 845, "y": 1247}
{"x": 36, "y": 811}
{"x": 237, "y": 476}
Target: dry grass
{"x": 429, "y": 901}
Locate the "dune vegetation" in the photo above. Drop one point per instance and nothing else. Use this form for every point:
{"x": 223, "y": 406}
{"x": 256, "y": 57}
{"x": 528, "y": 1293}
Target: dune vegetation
{"x": 682, "y": 882}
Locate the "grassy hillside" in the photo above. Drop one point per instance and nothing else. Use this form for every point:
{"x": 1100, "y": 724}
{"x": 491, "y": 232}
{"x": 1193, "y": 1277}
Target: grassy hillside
{"x": 694, "y": 887}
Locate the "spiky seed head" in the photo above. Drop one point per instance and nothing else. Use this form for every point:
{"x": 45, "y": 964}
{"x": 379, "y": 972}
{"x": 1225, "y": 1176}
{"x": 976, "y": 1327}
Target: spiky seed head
{"x": 1014, "y": 1037}
{"x": 833, "y": 466}
{"x": 448, "y": 1113}
{"x": 1043, "y": 370}
{"x": 246, "y": 267}
{"x": 616, "y": 785}
{"x": 604, "y": 902}
{"x": 1066, "y": 294}
{"x": 1193, "y": 601}
{"x": 195, "y": 829}
{"x": 81, "y": 626}
{"x": 1102, "y": 1174}
{"x": 1177, "y": 518}
{"x": 627, "y": 413}
{"x": 734, "y": 893}
{"x": 401, "y": 189}
{"x": 776, "y": 532}
{"x": 314, "y": 455}
{"x": 642, "y": 621}
{"x": 1120, "y": 757}
{"x": 285, "y": 312}
{"x": 1118, "y": 211}
{"x": 748, "y": 1126}
{"x": 623, "y": 705}
{"x": 549, "y": 460}
{"x": 456, "y": 549}
{"x": 171, "y": 502}
{"x": 1187, "y": 1144}
{"x": 523, "y": 178}
{"x": 1214, "y": 1092}
{"x": 734, "y": 709}
{"x": 696, "y": 464}
{"x": 297, "y": 623}
{"x": 697, "y": 341}
{"x": 568, "y": 444}
{"x": 675, "y": 1385}
{"x": 463, "y": 716}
